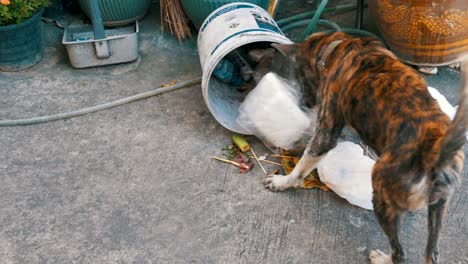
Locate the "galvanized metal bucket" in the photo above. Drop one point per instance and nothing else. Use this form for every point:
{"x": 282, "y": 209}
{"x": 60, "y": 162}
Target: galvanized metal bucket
{"x": 226, "y": 29}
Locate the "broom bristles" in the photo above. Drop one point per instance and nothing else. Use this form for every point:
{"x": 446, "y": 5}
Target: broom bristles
{"x": 174, "y": 18}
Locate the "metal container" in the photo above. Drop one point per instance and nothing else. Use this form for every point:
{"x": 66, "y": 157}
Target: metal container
{"x": 228, "y": 28}
{"x": 86, "y": 51}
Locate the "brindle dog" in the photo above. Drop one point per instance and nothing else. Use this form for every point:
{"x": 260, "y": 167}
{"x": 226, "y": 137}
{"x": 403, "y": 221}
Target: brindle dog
{"x": 359, "y": 83}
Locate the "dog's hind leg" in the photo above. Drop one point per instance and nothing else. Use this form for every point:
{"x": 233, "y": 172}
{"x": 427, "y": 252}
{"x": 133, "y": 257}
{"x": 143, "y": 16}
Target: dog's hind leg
{"x": 442, "y": 189}
{"x": 389, "y": 219}
{"x": 436, "y": 214}
{"x": 444, "y": 182}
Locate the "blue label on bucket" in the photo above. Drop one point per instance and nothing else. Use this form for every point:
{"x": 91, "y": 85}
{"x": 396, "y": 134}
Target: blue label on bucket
{"x": 265, "y": 22}
{"x": 223, "y": 11}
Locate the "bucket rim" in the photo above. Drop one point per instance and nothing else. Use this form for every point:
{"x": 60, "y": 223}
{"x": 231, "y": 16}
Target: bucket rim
{"x": 206, "y": 21}
{"x": 244, "y": 39}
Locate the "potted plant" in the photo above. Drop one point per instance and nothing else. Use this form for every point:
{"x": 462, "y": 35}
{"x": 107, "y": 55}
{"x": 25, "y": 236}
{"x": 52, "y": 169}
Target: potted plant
{"x": 20, "y": 33}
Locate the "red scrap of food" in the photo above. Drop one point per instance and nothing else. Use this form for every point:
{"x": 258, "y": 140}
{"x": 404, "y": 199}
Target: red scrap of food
{"x": 241, "y": 158}
{"x": 245, "y": 167}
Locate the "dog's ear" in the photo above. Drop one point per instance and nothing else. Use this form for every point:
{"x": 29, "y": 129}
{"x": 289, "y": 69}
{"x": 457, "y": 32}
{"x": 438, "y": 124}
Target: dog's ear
{"x": 258, "y": 54}
{"x": 288, "y": 50}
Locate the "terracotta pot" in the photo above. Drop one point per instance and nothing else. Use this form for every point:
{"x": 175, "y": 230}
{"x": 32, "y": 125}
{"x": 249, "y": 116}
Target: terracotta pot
{"x": 423, "y": 32}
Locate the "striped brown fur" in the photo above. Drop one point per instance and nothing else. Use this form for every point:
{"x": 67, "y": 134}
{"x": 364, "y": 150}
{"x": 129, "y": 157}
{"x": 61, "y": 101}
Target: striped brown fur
{"x": 364, "y": 86}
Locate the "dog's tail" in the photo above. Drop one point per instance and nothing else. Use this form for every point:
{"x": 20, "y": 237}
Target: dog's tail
{"x": 455, "y": 137}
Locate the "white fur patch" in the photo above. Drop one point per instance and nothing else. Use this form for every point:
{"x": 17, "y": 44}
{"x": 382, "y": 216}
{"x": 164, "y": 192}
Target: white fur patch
{"x": 378, "y": 257}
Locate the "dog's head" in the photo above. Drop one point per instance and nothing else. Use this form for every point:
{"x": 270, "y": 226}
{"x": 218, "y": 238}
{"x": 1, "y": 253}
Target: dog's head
{"x": 305, "y": 57}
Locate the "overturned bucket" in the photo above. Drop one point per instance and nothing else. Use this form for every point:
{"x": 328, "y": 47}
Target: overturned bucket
{"x": 228, "y": 28}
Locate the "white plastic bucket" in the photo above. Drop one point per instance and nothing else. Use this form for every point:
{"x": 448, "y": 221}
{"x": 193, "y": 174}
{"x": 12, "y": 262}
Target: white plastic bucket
{"x": 226, "y": 29}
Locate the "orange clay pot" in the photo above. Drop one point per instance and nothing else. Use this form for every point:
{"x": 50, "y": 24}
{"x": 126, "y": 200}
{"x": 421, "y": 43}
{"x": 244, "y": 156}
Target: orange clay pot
{"x": 423, "y": 32}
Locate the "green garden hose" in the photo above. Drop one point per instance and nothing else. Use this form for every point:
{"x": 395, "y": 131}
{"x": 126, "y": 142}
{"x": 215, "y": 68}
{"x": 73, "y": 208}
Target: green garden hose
{"x": 332, "y": 25}
{"x": 305, "y": 15}
{"x": 313, "y": 23}
{"x": 300, "y": 20}
{"x": 84, "y": 111}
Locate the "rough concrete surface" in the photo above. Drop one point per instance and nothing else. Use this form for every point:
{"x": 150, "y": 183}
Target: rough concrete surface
{"x": 135, "y": 184}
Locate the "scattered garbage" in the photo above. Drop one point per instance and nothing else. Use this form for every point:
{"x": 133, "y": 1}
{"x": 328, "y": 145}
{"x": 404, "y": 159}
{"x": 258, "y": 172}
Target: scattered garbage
{"x": 289, "y": 160}
{"x": 244, "y": 67}
{"x": 244, "y": 167}
{"x": 272, "y": 112}
{"x": 240, "y": 142}
{"x": 228, "y": 73}
{"x": 234, "y": 156}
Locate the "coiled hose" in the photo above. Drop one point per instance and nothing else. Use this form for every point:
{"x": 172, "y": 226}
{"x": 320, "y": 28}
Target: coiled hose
{"x": 303, "y": 19}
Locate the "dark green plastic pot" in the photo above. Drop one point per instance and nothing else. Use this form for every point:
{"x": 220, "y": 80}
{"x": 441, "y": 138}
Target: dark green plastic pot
{"x": 21, "y": 44}
{"x": 198, "y": 10}
{"x": 119, "y": 12}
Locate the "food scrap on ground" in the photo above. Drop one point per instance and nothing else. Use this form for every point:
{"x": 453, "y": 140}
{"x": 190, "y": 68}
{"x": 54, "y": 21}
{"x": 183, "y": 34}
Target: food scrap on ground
{"x": 258, "y": 161}
{"x": 240, "y": 142}
{"x": 236, "y": 154}
{"x": 169, "y": 83}
{"x": 233, "y": 155}
{"x": 289, "y": 160}
{"x": 244, "y": 167}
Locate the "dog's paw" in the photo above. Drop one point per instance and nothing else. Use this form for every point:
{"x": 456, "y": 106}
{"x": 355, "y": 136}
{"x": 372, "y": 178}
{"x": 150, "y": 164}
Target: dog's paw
{"x": 278, "y": 182}
{"x": 378, "y": 257}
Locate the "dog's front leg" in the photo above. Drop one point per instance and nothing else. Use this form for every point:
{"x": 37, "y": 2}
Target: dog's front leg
{"x": 325, "y": 138}
{"x": 304, "y": 167}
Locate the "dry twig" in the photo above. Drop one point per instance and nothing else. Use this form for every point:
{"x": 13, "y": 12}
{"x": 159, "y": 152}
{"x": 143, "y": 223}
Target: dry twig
{"x": 174, "y": 18}
{"x": 272, "y": 162}
{"x": 258, "y": 161}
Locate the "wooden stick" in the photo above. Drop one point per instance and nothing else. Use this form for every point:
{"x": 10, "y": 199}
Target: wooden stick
{"x": 272, "y": 7}
{"x": 226, "y": 161}
{"x": 258, "y": 161}
{"x": 272, "y": 162}
{"x": 282, "y": 156}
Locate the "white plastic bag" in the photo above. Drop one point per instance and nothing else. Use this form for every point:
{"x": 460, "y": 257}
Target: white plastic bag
{"x": 272, "y": 112}
{"x": 347, "y": 171}
{"x": 445, "y": 106}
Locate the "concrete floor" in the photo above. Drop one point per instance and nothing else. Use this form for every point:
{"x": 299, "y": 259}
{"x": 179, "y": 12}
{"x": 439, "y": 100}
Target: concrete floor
{"x": 135, "y": 184}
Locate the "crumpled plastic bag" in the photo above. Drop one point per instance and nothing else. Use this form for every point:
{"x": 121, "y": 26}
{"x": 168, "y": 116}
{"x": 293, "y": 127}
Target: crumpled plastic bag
{"x": 347, "y": 171}
{"x": 443, "y": 103}
{"x": 273, "y": 113}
